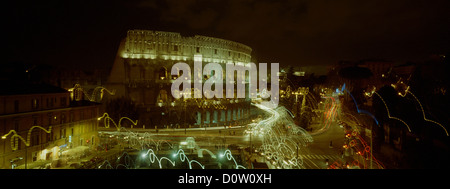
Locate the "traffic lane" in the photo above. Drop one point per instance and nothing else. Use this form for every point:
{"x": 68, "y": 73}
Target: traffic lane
{"x": 325, "y": 146}
{"x": 329, "y": 142}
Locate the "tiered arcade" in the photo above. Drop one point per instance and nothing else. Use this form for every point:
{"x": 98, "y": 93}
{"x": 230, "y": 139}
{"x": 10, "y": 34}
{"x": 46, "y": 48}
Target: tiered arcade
{"x": 141, "y": 72}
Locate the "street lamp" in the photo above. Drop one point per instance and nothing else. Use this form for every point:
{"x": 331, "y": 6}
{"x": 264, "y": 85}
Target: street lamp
{"x": 15, "y": 139}
{"x": 185, "y": 109}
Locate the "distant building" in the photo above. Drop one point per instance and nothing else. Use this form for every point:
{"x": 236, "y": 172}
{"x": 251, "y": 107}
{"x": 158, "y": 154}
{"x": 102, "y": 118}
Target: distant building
{"x": 380, "y": 70}
{"x": 23, "y": 106}
{"x": 89, "y": 82}
{"x": 142, "y": 72}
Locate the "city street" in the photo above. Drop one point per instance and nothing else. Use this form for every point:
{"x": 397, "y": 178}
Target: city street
{"x": 320, "y": 149}
{"x": 313, "y": 156}
{"x": 273, "y": 84}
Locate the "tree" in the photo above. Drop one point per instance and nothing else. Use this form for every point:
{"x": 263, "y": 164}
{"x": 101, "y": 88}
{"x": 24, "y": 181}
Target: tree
{"x": 355, "y": 73}
{"x": 355, "y": 79}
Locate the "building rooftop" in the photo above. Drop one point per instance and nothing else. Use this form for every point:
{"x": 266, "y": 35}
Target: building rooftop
{"x": 21, "y": 87}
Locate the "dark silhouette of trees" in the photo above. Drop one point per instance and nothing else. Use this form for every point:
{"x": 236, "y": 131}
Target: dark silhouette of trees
{"x": 122, "y": 107}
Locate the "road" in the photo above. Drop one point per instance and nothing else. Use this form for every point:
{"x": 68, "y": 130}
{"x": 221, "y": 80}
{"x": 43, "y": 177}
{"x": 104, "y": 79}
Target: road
{"x": 209, "y": 138}
{"x": 313, "y": 156}
{"x": 319, "y": 150}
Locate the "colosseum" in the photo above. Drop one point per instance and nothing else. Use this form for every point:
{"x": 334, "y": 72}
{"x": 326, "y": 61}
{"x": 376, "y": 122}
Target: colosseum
{"x": 141, "y": 72}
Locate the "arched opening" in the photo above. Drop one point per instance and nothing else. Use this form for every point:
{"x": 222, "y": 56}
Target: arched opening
{"x": 162, "y": 73}
{"x": 162, "y": 97}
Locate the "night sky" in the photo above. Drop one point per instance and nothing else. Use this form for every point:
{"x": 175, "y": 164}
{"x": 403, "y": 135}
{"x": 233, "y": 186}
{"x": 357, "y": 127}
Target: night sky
{"x": 86, "y": 34}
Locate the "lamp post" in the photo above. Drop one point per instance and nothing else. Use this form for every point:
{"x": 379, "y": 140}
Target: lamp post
{"x": 303, "y": 91}
{"x": 185, "y": 109}
{"x": 15, "y": 139}
{"x": 26, "y": 156}
{"x": 371, "y": 147}
{"x": 251, "y": 146}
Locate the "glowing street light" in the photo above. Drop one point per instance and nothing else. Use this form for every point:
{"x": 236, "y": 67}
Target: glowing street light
{"x": 118, "y": 126}
{"x": 15, "y": 137}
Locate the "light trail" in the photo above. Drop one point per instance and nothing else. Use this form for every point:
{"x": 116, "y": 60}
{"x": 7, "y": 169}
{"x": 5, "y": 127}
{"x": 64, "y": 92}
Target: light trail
{"x": 402, "y": 86}
{"x": 389, "y": 114}
{"x": 206, "y": 103}
{"x": 329, "y": 115}
{"x": 281, "y": 138}
{"x": 143, "y": 141}
{"x": 355, "y": 136}
{"x": 356, "y": 104}
{"x": 77, "y": 90}
{"x": 361, "y": 111}
{"x": 423, "y": 112}
{"x": 151, "y": 157}
{"x": 15, "y": 137}
{"x": 366, "y": 148}
{"x": 118, "y": 126}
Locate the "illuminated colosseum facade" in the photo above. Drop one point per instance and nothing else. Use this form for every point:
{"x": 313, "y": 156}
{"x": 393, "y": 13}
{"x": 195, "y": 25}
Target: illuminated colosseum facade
{"x": 141, "y": 72}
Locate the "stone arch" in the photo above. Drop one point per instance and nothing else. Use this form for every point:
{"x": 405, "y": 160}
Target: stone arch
{"x": 161, "y": 73}
{"x": 162, "y": 96}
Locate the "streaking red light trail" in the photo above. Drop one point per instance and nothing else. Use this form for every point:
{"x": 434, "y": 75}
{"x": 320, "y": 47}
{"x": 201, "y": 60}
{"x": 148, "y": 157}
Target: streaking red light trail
{"x": 328, "y": 115}
{"x": 423, "y": 113}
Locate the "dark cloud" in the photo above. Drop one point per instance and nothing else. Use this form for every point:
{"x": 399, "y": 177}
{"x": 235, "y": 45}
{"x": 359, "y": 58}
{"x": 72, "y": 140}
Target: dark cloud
{"x": 300, "y": 32}
{"x": 320, "y": 32}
